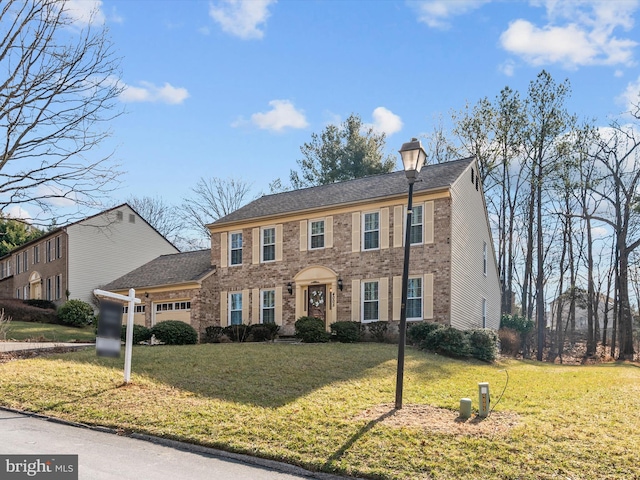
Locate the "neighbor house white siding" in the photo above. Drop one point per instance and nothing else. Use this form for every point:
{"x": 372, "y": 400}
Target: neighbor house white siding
{"x": 473, "y": 292}
{"x": 107, "y": 246}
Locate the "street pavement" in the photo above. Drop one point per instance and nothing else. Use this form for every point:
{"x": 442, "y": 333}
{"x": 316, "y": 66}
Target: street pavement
{"x": 106, "y": 456}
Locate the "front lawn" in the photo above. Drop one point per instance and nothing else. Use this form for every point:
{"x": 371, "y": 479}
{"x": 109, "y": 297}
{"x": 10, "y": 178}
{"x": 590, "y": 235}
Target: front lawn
{"x": 48, "y": 332}
{"x": 329, "y": 407}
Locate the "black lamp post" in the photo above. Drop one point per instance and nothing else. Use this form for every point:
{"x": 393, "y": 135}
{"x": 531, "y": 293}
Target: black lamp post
{"x": 413, "y": 157}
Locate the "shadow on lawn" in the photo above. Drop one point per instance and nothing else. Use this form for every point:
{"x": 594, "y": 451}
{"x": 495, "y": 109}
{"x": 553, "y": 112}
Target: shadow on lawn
{"x": 265, "y": 374}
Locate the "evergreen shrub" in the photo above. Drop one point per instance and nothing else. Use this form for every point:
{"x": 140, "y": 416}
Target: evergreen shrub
{"x": 263, "y": 332}
{"x": 378, "y": 330}
{"x": 175, "y": 332}
{"x": 76, "y": 313}
{"x": 346, "y": 332}
{"x": 140, "y": 333}
{"x": 483, "y": 343}
{"x": 311, "y": 330}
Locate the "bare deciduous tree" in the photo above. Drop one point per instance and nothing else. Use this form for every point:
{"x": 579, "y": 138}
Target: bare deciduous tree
{"x": 58, "y": 91}
{"x": 213, "y": 198}
{"x": 166, "y": 219}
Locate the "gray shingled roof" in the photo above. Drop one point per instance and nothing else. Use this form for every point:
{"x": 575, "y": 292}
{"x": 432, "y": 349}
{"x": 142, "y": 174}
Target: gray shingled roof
{"x": 169, "y": 269}
{"x": 361, "y": 189}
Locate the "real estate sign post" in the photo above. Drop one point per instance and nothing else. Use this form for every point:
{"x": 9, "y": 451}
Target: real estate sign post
{"x": 131, "y": 301}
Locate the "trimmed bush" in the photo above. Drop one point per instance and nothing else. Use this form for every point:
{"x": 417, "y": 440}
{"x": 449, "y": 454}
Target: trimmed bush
{"x": 140, "y": 333}
{"x": 237, "y": 333}
{"x": 21, "y": 312}
{"x": 76, "y": 313}
{"x": 175, "y": 332}
{"x": 46, "y": 304}
{"x": 311, "y": 330}
{"x": 378, "y": 330}
{"x": 263, "y": 332}
{"x": 213, "y": 334}
{"x": 450, "y": 341}
{"x": 420, "y": 334}
{"x": 346, "y": 332}
{"x": 483, "y": 343}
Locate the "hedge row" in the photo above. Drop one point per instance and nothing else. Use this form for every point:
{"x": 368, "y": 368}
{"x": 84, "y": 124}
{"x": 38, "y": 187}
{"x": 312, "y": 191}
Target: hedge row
{"x": 478, "y": 343}
{"x": 257, "y": 332}
{"x": 169, "y": 332}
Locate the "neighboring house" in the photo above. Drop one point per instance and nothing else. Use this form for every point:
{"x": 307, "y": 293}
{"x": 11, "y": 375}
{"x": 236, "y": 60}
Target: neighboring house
{"x": 336, "y": 252}
{"x": 71, "y": 261}
{"x": 170, "y": 288}
{"x": 563, "y": 302}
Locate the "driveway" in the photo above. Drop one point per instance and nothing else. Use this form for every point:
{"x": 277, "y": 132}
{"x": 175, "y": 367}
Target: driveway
{"x": 107, "y": 456}
{"x": 16, "y": 346}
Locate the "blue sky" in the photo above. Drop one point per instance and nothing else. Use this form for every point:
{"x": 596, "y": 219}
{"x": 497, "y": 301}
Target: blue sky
{"x": 233, "y": 88}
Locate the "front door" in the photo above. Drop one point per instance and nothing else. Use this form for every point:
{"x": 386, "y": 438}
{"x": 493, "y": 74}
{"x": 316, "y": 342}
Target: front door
{"x": 317, "y": 301}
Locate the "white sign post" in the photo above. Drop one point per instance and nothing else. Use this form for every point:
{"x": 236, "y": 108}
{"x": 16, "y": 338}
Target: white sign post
{"x": 128, "y": 344}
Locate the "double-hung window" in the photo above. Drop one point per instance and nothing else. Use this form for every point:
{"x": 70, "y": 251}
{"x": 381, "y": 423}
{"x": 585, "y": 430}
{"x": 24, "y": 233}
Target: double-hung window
{"x": 316, "y": 234}
{"x": 268, "y": 306}
{"x": 25, "y": 260}
{"x": 235, "y": 253}
{"x": 371, "y": 231}
{"x": 235, "y": 308}
{"x": 268, "y": 244}
{"x": 370, "y": 301}
{"x": 484, "y": 258}
{"x": 36, "y": 254}
{"x": 415, "y": 235}
{"x": 414, "y": 299}
{"x": 18, "y": 265}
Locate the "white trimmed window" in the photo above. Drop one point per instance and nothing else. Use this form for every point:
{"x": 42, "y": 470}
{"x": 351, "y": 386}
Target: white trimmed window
{"x": 268, "y": 241}
{"x": 18, "y": 264}
{"x": 484, "y": 313}
{"x": 235, "y": 308}
{"x": 58, "y": 287}
{"x": 316, "y": 234}
{"x": 370, "y": 301}
{"x": 48, "y": 256}
{"x": 49, "y": 293}
{"x": 417, "y": 225}
{"x": 484, "y": 258}
{"x": 25, "y": 291}
{"x": 235, "y": 252}
{"x": 268, "y": 306}
{"x": 371, "y": 231}
{"x": 171, "y": 306}
{"x": 414, "y": 299}
{"x": 25, "y": 260}
{"x": 58, "y": 247}
{"x": 36, "y": 254}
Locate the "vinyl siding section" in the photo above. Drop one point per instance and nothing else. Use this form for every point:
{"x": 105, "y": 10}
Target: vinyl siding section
{"x": 469, "y": 284}
{"x": 103, "y": 248}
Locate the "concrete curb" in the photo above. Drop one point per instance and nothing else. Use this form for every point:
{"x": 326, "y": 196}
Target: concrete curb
{"x": 190, "y": 447}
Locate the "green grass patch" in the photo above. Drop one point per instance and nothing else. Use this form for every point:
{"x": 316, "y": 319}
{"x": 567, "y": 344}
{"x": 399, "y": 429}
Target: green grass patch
{"x": 48, "y": 332}
{"x": 311, "y": 405}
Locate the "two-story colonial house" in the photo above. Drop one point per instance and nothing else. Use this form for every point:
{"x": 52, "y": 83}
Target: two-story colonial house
{"x": 336, "y": 252}
{"x": 71, "y": 261}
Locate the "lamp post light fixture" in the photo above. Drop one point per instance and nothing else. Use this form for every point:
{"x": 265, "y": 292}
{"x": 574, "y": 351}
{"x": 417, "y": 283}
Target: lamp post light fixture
{"x": 413, "y": 158}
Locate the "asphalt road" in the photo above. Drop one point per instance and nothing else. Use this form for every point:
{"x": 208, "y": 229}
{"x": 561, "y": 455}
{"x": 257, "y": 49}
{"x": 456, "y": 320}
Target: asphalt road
{"x": 106, "y": 456}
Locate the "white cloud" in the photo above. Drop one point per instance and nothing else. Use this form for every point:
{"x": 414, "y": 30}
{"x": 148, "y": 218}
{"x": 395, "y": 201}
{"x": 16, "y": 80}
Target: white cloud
{"x": 578, "y": 33}
{"x": 85, "y": 12}
{"x": 282, "y": 115}
{"x": 436, "y": 13}
{"x": 15, "y": 211}
{"x": 630, "y": 98}
{"x": 508, "y": 68}
{"x": 242, "y": 18}
{"x": 599, "y": 232}
{"x": 148, "y": 92}
{"x": 385, "y": 121}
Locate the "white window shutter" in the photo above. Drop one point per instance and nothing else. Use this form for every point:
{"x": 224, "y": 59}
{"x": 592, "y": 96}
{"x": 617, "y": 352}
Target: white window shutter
{"x": 384, "y": 227}
{"x": 279, "y": 231}
{"x": 398, "y": 222}
{"x": 428, "y": 296}
{"x": 255, "y": 246}
{"x": 355, "y": 300}
{"x": 328, "y": 232}
{"x": 397, "y": 297}
{"x": 383, "y": 299}
{"x": 303, "y": 235}
{"x": 224, "y": 299}
{"x": 355, "y": 232}
{"x": 428, "y": 219}
{"x": 224, "y": 254}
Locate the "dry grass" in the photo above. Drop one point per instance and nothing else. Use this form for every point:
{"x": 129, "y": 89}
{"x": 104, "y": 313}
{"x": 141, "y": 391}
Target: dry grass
{"x": 327, "y": 407}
